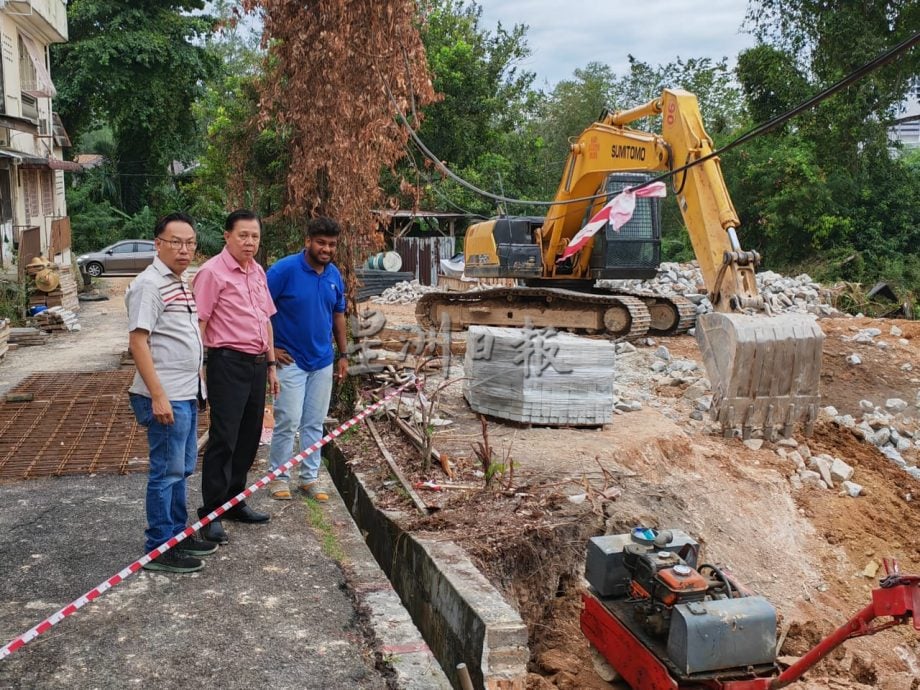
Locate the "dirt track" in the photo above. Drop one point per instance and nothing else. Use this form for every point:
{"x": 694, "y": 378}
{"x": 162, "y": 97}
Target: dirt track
{"x": 804, "y": 550}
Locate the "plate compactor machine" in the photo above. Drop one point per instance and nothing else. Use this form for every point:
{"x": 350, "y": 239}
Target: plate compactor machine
{"x": 660, "y": 620}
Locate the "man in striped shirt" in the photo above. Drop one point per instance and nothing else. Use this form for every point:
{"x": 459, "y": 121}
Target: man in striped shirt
{"x": 165, "y": 342}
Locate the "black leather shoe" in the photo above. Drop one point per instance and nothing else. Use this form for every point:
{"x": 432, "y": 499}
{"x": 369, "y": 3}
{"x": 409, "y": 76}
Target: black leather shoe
{"x": 246, "y": 514}
{"x": 214, "y": 532}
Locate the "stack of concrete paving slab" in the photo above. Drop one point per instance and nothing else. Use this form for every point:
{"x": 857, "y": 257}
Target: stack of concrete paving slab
{"x": 539, "y": 376}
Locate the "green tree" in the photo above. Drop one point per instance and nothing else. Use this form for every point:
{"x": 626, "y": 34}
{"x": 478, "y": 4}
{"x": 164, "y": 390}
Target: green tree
{"x": 572, "y": 105}
{"x": 136, "y": 67}
{"x": 833, "y": 38}
{"x": 479, "y": 125}
{"x": 824, "y": 190}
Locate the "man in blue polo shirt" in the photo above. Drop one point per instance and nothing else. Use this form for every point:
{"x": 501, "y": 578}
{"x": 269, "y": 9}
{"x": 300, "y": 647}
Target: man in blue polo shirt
{"x": 309, "y": 294}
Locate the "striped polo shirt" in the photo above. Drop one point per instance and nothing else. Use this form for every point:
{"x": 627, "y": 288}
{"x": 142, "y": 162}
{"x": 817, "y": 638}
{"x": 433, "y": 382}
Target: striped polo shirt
{"x": 161, "y": 303}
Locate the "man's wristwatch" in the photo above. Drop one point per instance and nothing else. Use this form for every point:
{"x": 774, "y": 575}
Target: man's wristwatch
{"x": 271, "y": 363}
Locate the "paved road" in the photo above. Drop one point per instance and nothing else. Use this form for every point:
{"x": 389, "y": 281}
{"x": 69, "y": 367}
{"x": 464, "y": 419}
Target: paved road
{"x": 270, "y": 609}
{"x": 273, "y": 608}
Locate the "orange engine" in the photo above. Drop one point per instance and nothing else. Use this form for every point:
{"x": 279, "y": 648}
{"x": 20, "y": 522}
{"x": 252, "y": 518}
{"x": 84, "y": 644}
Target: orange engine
{"x": 682, "y": 583}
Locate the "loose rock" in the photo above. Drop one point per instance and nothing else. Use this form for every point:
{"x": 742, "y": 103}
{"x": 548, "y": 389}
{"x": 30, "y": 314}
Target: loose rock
{"x": 852, "y": 489}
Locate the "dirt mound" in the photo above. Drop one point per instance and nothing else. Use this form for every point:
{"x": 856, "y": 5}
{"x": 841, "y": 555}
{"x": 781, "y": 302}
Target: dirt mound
{"x": 804, "y": 550}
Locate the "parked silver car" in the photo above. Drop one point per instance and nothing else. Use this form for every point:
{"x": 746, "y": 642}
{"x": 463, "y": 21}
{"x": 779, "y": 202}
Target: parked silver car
{"x": 126, "y": 256}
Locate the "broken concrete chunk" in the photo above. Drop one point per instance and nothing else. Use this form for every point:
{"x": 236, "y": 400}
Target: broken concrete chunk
{"x": 704, "y": 403}
{"x": 896, "y": 332}
{"x": 882, "y": 345}
{"x": 866, "y": 405}
{"x": 697, "y": 390}
{"x": 788, "y": 443}
{"x": 830, "y": 411}
{"x": 663, "y": 354}
{"x": 895, "y": 405}
{"x": 846, "y": 420}
{"x": 852, "y": 489}
{"x": 754, "y": 443}
{"x": 628, "y": 406}
{"x": 894, "y": 456}
{"x": 841, "y": 471}
{"x": 854, "y": 359}
{"x": 878, "y": 420}
{"x": 812, "y": 479}
{"x": 881, "y": 437}
{"x": 804, "y": 450}
{"x": 822, "y": 467}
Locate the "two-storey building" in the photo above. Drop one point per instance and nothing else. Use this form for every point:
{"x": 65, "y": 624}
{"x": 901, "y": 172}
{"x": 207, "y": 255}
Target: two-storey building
{"x": 33, "y": 211}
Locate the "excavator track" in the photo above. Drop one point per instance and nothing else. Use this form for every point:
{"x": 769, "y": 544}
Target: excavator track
{"x": 620, "y": 314}
{"x": 671, "y": 315}
{"x": 623, "y": 317}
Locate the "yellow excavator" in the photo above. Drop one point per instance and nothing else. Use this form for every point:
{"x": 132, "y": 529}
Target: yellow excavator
{"x": 764, "y": 368}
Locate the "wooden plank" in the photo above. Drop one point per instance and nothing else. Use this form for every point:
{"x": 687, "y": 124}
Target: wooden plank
{"x": 416, "y": 499}
{"x": 417, "y": 442}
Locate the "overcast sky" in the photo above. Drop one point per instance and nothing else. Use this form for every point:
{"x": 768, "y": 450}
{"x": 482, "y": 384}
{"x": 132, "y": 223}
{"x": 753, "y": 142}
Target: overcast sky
{"x": 567, "y": 34}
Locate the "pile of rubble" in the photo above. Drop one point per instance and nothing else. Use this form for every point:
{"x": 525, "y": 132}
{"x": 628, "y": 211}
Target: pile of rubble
{"x": 867, "y": 336}
{"x": 783, "y": 294}
{"x": 666, "y": 371}
{"x": 819, "y": 471}
{"x": 405, "y": 292}
{"x": 890, "y": 429}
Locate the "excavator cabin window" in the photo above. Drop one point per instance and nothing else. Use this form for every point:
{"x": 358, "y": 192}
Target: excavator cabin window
{"x": 634, "y": 251}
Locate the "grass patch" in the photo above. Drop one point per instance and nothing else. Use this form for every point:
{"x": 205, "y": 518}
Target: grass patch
{"x": 321, "y": 525}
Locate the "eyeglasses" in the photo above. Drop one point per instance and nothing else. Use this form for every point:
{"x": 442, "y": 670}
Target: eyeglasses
{"x": 178, "y": 244}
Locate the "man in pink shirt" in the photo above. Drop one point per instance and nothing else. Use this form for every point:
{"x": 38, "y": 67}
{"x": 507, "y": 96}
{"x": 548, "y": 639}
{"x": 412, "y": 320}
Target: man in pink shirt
{"x": 234, "y": 312}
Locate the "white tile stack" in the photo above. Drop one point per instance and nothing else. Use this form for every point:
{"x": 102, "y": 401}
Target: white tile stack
{"x": 569, "y": 380}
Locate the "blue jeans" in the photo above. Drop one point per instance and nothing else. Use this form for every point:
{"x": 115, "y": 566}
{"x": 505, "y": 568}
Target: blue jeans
{"x": 301, "y": 406}
{"x": 173, "y": 450}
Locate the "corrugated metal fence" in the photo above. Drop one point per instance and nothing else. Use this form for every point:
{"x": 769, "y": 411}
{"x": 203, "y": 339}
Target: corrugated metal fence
{"x": 422, "y": 255}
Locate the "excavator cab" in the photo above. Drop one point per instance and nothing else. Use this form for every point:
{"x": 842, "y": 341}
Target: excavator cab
{"x": 634, "y": 251}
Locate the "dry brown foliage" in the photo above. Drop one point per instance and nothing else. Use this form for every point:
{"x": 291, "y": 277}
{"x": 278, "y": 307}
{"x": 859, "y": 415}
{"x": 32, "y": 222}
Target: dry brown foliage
{"x": 337, "y": 71}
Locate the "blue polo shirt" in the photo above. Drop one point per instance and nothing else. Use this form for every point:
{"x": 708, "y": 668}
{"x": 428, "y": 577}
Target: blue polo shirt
{"x": 305, "y": 301}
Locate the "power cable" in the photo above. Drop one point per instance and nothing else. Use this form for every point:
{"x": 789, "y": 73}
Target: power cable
{"x": 437, "y": 190}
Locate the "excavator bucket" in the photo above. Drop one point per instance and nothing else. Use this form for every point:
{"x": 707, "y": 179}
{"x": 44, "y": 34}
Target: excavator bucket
{"x": 764, "y": 370}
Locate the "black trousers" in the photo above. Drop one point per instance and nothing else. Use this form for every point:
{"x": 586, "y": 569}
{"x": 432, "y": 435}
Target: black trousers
{"x": 236, "y": 396}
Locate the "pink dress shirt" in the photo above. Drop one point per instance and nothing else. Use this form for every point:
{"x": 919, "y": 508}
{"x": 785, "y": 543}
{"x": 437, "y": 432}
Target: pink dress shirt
{"x": 235, "y": 304}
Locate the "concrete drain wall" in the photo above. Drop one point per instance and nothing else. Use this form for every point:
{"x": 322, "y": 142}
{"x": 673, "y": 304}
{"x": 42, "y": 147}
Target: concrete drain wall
{"x": 461, "y": 616}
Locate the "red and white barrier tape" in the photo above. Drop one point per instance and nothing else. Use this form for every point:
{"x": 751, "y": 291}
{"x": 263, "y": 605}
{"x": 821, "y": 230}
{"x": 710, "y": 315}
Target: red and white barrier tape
{"x": 124, "y": 574}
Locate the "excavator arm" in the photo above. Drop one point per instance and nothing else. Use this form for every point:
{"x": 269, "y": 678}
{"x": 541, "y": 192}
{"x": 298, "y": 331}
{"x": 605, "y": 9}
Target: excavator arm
{"x": 765, "y": 370}
{"x": 609, "y": 145}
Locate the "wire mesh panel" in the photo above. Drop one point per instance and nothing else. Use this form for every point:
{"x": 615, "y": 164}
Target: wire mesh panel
{"x": 74, "y": 423}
